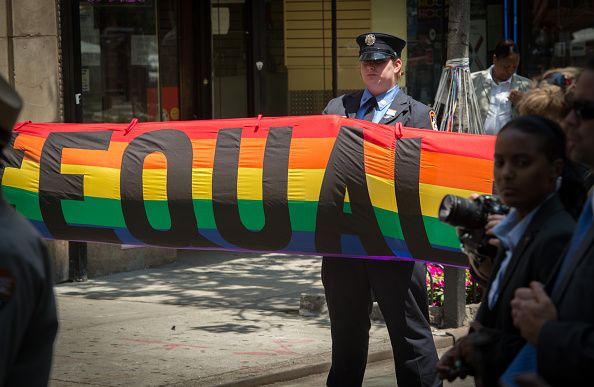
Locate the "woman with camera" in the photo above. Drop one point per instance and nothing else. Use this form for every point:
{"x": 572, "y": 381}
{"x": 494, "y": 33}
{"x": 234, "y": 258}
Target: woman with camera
{"x": 534, "y": 177}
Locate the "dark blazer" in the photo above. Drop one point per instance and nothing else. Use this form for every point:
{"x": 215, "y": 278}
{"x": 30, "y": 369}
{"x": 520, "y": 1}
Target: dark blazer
{"x": 534, "y": 259}
{"x": 28, "y": 320}
{"x": 566, "y": 346}
{"x": 409, "y": 112}
{"x": 398, "y": 287}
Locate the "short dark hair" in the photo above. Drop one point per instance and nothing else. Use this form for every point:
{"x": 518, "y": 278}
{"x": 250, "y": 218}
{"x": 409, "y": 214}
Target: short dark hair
{"x": 505, "y": 48}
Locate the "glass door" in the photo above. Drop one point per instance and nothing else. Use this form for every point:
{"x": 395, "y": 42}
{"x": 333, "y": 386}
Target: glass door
{"x": 230, "y": 38}
{"x": 249, "y": 74}
{"x": 129, "y": 60}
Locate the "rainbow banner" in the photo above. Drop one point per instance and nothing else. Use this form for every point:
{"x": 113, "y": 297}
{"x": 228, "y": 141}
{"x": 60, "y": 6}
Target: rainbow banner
{"x": 321, "y": 185}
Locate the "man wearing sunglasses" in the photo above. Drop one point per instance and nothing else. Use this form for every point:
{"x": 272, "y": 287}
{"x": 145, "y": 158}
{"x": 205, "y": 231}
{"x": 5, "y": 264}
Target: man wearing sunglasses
{"x": 559, "y": 319}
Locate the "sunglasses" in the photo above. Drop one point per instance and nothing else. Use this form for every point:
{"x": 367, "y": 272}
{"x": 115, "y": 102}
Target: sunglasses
{"x": 583, "y": 109}
{"x": 558, "y": 79}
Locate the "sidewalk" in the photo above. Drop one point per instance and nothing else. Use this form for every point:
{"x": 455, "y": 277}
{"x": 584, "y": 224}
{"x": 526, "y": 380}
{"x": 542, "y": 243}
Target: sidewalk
{"x": 209, "y": 319}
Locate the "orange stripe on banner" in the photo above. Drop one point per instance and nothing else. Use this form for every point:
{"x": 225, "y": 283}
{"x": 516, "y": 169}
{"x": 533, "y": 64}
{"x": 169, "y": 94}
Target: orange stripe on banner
{"x": 32, "y": 145}
{"x": 455, "y": 171}
{"x": 110, "y": 158}
{"x": 379, "y": 161}
{"x": 204, "y": 152}
{"x": 306, "y": 153}
{"x": 251, "y": 154}
{"x": 310, "y": 153}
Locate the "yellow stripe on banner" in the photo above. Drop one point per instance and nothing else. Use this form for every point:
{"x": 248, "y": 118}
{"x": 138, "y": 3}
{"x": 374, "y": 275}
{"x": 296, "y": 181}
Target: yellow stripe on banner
{"x": 202, "y": 183}
{"x": 431, "y": 196}
{"x": 26, "y": 177}
{"x": 381, "y": 192}
{"x": 305, "y": 184}
{"x": 105, "y": 182}
{"x": 249, "y": 184}
{"x": 99, "y": 182}
{"x": 154, "y": 184}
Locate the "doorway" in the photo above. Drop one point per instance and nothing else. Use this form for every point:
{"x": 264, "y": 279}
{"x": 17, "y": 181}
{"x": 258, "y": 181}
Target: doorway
{"x": 166, "y": 60}
{"x": 249, "y": 74}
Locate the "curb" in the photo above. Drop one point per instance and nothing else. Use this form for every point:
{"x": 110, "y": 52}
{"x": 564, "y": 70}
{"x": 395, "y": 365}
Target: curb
{"x": 298, "y": 372}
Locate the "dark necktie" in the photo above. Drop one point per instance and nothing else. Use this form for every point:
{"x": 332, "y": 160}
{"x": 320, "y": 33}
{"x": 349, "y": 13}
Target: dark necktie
{"x": 370, "y": 111}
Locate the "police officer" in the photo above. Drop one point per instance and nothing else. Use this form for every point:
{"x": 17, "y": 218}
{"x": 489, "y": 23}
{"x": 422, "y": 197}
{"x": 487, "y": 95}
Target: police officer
{"x": 398, "y": 287}
{"x": 28, "y": 321}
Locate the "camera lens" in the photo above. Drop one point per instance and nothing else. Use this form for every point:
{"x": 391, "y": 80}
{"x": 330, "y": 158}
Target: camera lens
{"x": 460, "y": 212}
{"x": 446, "y": 207}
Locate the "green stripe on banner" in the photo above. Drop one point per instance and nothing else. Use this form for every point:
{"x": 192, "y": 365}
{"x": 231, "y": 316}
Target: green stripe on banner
{"x": 389, "y": 223}
{"x": 26, "y": 202}
{"x": 94, "y": 211}
{"x": 108, "y": 213}
{"x": 441, "y": 234}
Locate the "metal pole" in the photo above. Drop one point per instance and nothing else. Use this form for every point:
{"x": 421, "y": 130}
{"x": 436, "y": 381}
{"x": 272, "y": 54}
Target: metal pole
{"x": 334, "y": 52}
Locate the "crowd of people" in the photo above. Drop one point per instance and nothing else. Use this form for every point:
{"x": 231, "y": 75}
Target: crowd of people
{"x": 535, "y": 326}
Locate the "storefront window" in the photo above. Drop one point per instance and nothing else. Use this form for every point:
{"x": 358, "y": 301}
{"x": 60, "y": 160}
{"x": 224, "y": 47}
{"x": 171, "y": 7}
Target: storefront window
{"x": 427, "y": 43}
{"x": 229, "y": 61}
{"x": 129, "y": 60}
{"x": 556, "y": 34}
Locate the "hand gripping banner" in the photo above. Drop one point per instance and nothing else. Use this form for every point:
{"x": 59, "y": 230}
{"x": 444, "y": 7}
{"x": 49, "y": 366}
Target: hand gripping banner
{"x": 321, "y": 185}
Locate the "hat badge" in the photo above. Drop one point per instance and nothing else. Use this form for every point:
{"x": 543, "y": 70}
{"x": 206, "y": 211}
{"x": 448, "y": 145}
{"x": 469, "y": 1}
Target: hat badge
{"x": 370, "y": 39}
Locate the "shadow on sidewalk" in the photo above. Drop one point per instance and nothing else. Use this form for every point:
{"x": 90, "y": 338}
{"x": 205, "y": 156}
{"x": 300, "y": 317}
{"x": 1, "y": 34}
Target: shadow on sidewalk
{"x": 266, "y": 283}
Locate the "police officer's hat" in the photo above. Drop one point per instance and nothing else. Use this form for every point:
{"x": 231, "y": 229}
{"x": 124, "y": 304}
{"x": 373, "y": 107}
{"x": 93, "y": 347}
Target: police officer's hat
{"x": 378, "y": 46}
{"x": 10, "y": 106}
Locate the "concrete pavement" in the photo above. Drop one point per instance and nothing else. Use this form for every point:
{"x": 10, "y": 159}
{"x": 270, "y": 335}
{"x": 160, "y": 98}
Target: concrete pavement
{"x": 211, "y": 318}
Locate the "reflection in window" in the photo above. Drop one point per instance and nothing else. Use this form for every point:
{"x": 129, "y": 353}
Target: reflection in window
{"x": 120, "y": 61}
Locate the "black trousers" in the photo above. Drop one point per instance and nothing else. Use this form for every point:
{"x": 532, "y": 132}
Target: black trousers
{"x": 400, "y": 290}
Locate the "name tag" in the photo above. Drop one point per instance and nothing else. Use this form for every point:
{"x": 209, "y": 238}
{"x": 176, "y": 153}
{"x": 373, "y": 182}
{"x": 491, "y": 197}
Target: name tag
{"x": 391, "y": 113}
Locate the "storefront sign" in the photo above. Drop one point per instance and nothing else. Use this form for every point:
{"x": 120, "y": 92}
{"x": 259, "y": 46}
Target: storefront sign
{"x": 321, "y": 185}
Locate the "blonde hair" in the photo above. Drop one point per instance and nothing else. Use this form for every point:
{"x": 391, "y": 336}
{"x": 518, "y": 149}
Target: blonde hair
{"x": 546, "y": 100}
{"x": 570, "y": 73}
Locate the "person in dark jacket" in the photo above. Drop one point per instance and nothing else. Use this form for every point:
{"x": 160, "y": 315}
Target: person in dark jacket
{"x": 398, "y": 287}
{"x": 529, "y": 161}
{"x": 28, "y": 320}
{"x": 559, "y": 320}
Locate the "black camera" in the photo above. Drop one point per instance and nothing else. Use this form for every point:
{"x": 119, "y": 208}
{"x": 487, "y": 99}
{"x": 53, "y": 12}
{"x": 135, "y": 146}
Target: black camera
{"x": 470, "y": 216}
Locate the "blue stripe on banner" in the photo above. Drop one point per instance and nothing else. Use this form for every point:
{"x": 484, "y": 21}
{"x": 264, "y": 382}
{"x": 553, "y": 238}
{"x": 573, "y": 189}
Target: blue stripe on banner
{"x": 40, "y": 227}
{"x": 302, "y": 242}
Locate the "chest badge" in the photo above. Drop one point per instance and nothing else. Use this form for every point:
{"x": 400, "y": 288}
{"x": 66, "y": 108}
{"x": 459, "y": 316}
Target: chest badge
{"x": 391, "y": 113}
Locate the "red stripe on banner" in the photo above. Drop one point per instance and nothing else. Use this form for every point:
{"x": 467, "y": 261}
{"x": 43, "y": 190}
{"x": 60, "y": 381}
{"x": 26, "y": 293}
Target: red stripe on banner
{"x": 309, "y": 127}
{"x": 461, "y": 144}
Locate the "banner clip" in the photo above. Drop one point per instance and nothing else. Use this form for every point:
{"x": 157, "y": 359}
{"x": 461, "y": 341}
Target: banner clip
{"x": 131, "y": 126}
{"x": 24, "y": 123}
{"x": 258, "y": 123}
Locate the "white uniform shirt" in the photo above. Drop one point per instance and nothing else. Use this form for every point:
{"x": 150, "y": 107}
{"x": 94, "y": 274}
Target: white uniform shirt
{"x": 500, "y": 109}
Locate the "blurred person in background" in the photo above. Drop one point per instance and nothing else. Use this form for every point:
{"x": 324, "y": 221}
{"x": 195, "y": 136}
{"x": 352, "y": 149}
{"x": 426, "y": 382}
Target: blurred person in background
{"x": 545, "y": 100}
{"x": 499, "y": 88}
{"x": 28, "y": 320}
